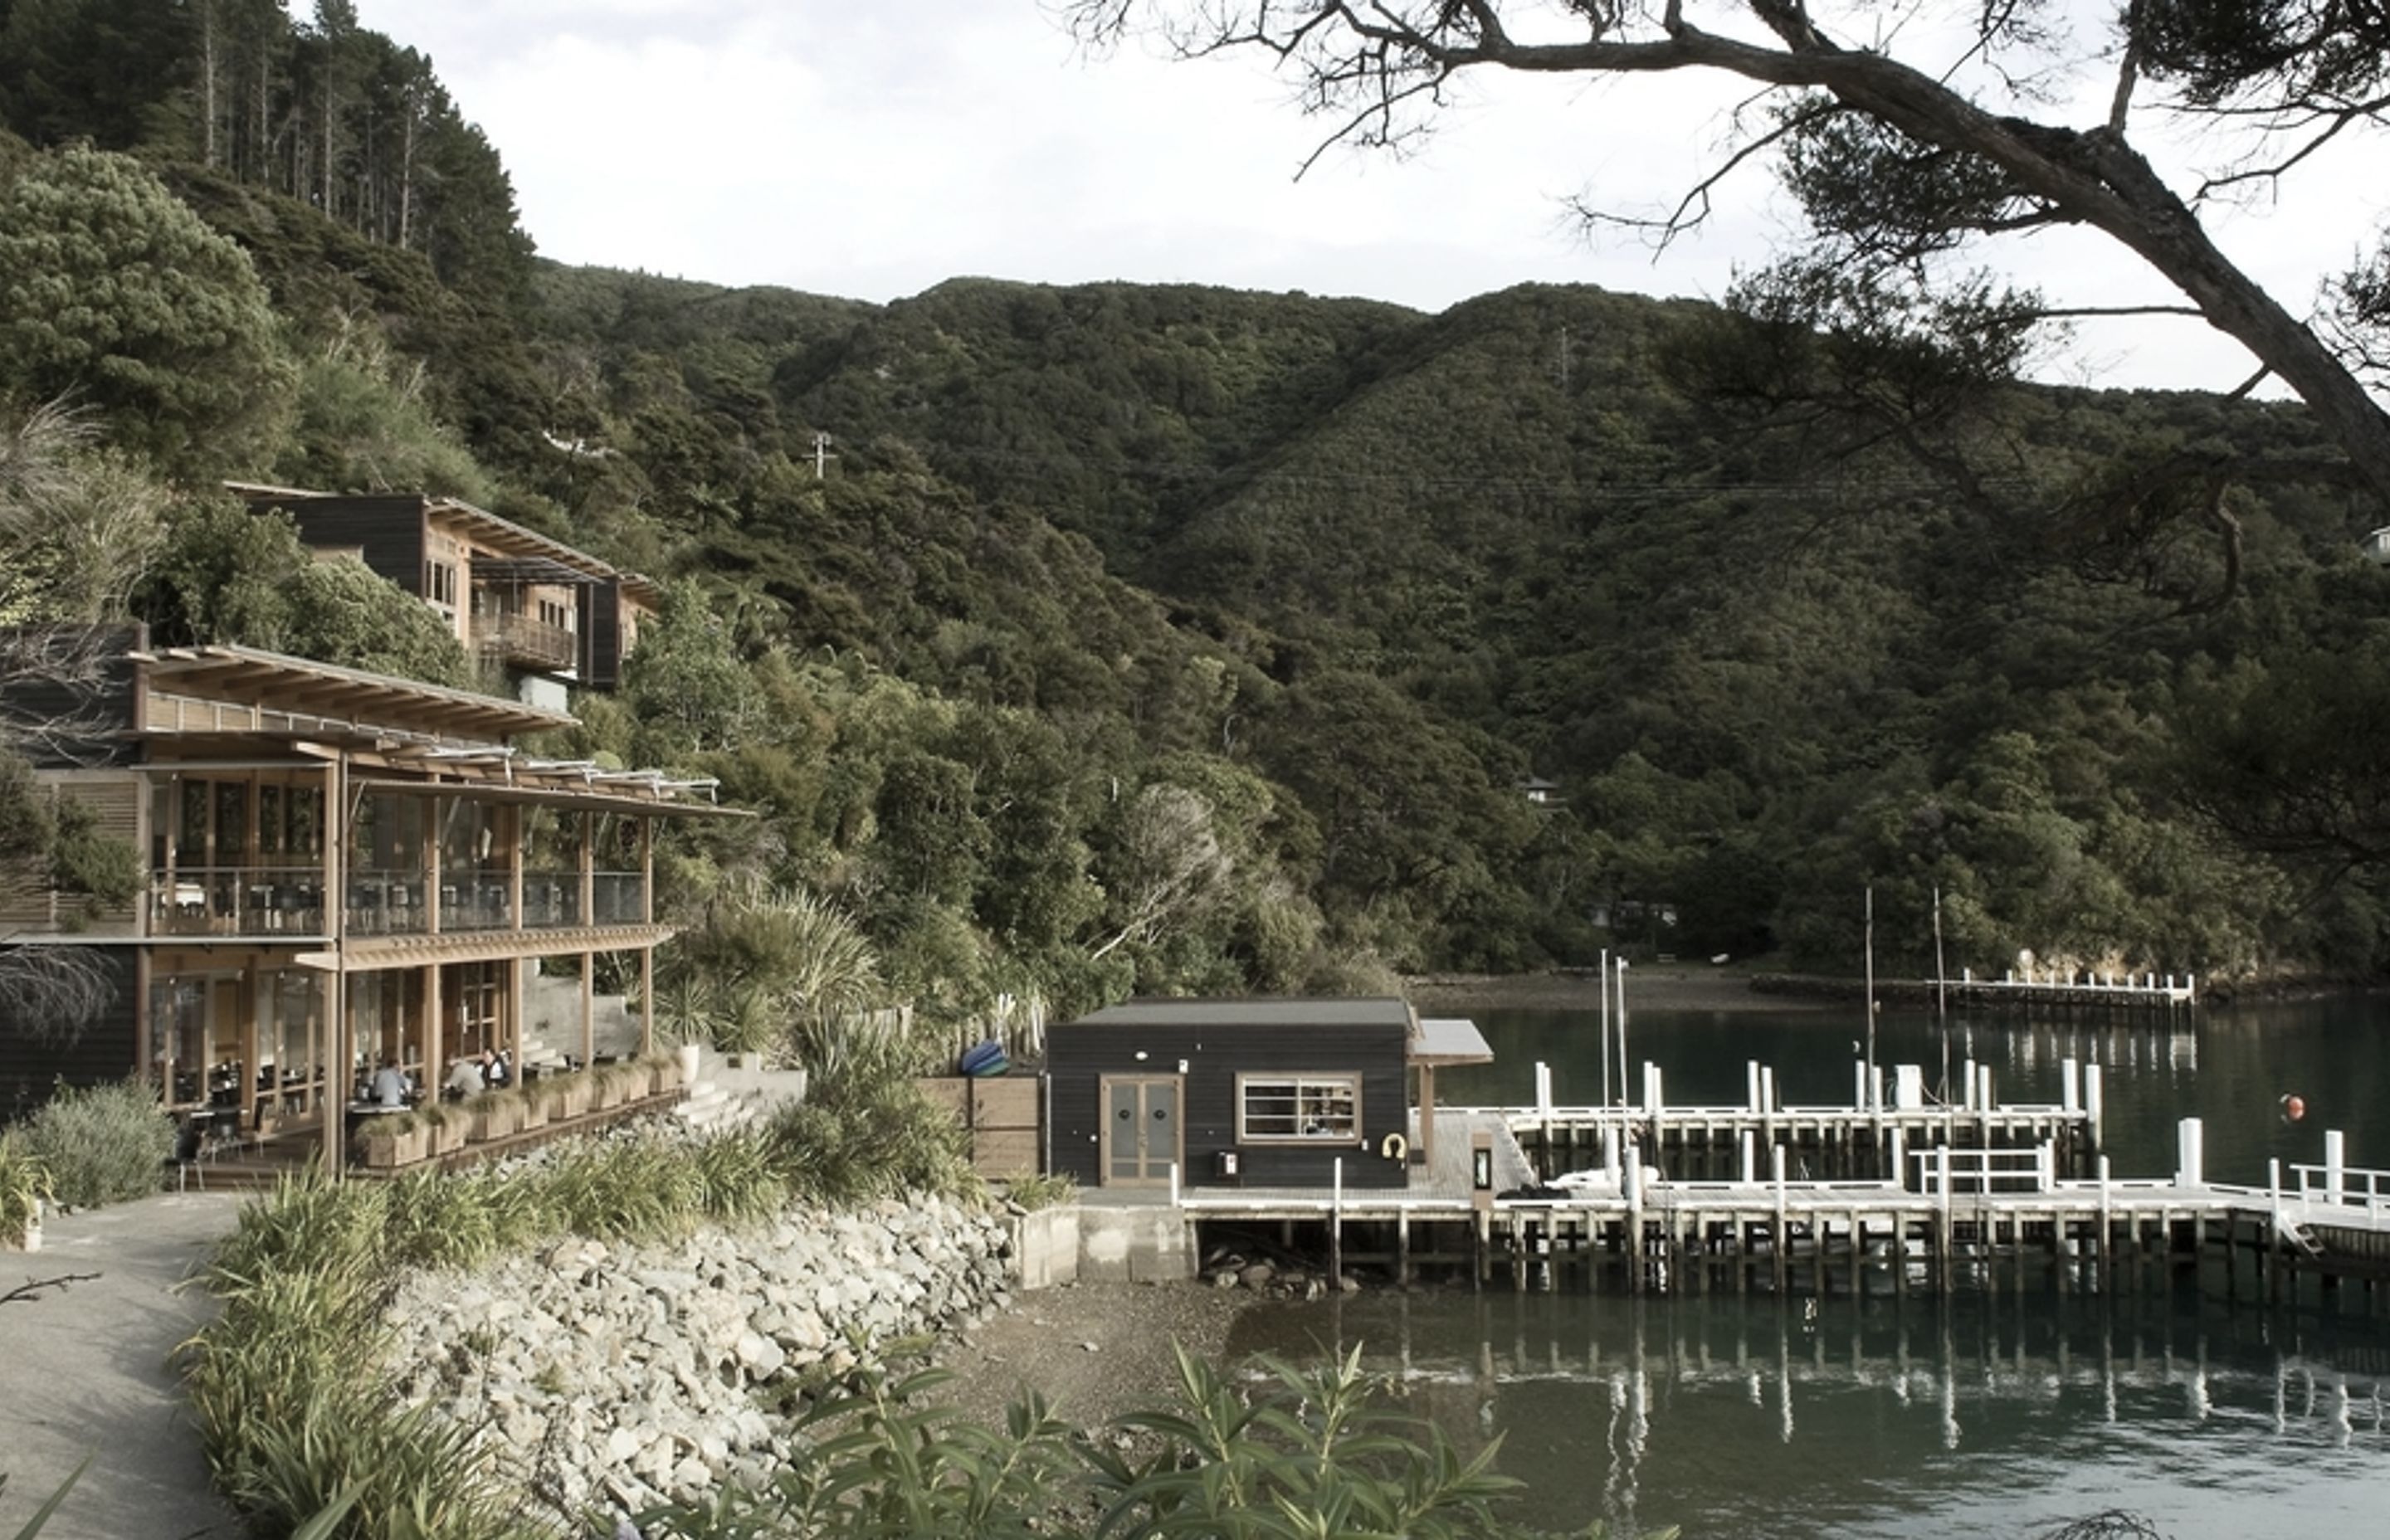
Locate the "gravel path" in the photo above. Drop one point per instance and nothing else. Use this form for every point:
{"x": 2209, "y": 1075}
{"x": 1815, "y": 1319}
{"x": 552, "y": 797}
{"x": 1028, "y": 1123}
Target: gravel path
{"x": 83, "y": 1373}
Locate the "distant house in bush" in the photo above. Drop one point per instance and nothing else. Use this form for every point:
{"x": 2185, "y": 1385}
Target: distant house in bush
{"x": 1258, "y": 1093}
{"x": 340, "y": 868}
{"x": 550, "y": 616}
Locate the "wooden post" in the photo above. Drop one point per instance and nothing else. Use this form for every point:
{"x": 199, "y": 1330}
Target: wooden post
{"x": 588, "y": 1009}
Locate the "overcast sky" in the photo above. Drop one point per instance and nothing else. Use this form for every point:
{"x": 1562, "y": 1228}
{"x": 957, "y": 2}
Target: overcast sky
{"x": 873, "y": 147}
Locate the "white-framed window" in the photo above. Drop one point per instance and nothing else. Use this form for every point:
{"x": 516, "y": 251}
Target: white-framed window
{"x": 440, "y": 583}
{"x": 1305, "y": 1109}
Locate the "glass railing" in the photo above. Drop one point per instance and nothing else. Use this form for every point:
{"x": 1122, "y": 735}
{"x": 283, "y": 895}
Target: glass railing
{"x": 485, "y": 901}
{"x": 237, "y": 901}
{"x": 551, "y": 898}
{"x": 619, "y": 898}
{"x": 386, "y": 901}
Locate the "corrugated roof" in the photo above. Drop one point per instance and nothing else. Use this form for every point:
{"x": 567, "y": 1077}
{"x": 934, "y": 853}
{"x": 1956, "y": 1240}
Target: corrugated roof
{"x": 1266, "y": 1012}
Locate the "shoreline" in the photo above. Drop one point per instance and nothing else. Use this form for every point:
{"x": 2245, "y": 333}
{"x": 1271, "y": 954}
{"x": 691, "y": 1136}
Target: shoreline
{"x": 1666, "y": 986}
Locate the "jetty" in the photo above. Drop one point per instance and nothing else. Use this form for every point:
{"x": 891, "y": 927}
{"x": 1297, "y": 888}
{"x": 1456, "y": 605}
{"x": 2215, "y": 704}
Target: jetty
{"x": 1896, "y": 1190}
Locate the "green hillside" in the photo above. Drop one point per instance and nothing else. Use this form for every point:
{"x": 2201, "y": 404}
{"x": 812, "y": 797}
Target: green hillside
{"x": 1078, "y": 640}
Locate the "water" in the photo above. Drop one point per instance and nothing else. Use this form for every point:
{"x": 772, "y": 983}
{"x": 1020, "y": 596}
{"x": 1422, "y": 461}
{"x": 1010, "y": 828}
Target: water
{"x": 2000, "y": 1412}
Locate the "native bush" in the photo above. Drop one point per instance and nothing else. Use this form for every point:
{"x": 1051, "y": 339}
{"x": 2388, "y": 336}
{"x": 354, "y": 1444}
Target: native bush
{"x": 1314, "y": 1454}
{"x": 23, "y": 1186}
{"x": 100, "y": 1143}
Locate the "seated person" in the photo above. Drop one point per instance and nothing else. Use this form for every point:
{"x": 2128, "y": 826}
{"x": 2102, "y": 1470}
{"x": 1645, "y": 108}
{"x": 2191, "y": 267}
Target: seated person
{"x": 493, "y": 1067}
{"x": 465, "y": 1079}
{"x": 392, "y": 1085}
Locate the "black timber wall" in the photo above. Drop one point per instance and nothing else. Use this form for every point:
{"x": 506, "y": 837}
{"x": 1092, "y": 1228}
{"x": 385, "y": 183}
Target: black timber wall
{"x": 1078, "y": 1055}
{"x": 601, "y": 635}
{"x": 388, "y": 531}
{"x": 67, "y": 694}
{"x": 33, "y": 1061}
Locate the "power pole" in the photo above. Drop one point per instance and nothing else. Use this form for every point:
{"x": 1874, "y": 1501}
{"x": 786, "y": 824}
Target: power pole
{"x": 822, "y": 456}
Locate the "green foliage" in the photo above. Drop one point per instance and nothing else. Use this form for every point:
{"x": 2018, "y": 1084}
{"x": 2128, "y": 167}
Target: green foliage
{"x": 1314, "y": 1454}
{"x": 227, "y": 574}
{"x": 25, "y": 1185}
{"x": 116, "y": 291}
{"x": 99, "y": 1144}
{"x": 868, "y": 1133}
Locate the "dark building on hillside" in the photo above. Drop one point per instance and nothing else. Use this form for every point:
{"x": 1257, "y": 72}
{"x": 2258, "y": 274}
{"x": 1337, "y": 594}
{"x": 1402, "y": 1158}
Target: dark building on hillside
{"x": 1252, "y": 1093}
{"x": 550, "y": 617}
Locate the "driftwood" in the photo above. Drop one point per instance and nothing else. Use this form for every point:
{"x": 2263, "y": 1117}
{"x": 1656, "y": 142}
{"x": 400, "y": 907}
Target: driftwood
{"x": 31, "y": 1288}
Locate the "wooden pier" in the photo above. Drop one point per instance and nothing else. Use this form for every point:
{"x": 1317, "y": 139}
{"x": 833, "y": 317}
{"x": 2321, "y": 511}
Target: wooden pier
{"x": 1888, "y": 1195}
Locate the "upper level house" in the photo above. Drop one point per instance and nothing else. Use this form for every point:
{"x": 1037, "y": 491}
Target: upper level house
{"x": 342, "y": 869}
{"x": 550, "y": 616}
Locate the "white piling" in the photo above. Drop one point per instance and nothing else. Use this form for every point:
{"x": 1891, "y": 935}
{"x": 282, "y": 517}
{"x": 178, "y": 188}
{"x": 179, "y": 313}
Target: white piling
{"x": 1750, "y": 1080}
{"x": 1858, "y": 1084}
{"x": 1652, "y": 1102}
{"x": 1875, "y": 1088}
{"x": 2190, "y": 1155}
{"x": 1750, "y": 1159}
{"x": 1543, "y": 1089}
{"x": 2092, "y": 1099}
{"x": 1984, "y": 1102}
{"x": 2336, "y": 1165}
{"x": 1899, "y": 1157}
{"x": 1767, "y": 1102}
{"x": 2070, "y": 1091}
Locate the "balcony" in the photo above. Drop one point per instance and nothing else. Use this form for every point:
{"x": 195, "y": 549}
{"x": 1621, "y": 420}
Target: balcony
{"x": 237, "y": 901}
{"x": 518, "y": 641}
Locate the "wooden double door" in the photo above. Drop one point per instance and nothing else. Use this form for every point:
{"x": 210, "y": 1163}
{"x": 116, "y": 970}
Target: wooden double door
{"x": 1142, "y": 1137}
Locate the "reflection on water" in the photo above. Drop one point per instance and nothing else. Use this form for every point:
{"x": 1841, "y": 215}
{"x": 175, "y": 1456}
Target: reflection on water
{"x": 1996, "y": 1412}
{"x": 1984, "y": 1413}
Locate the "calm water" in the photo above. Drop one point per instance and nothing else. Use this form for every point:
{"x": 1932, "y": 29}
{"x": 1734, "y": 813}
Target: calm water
{"x": 1999, "y": 1412}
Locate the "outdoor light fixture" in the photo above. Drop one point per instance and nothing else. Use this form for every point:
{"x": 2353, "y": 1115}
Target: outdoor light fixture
{"x": 1481, "y": 1169}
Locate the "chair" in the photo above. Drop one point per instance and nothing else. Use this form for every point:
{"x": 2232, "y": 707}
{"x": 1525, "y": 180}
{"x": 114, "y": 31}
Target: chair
{"x": 189, "y": 1139}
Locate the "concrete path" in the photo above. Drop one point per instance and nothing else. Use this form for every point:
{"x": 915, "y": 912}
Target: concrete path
{"x": 82, "y": 1372}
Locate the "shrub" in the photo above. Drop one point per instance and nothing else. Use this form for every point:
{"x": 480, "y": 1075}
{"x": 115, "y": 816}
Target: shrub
{"x": 103, "y": 1144}
{"x": 1317, "y": 1449}
{"x": 23, "y": 1186}
{"x": 859, "y": 1137}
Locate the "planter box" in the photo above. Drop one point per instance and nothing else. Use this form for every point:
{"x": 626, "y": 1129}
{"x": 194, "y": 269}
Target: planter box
{"x": 568, "y": 1098}
{"x": 391, "y": 1151}
{"x": 534, "y": 1109}
{"x": 494, "y": 1118}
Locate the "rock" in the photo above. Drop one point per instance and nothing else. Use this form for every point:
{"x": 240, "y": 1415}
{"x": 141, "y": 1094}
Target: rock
{"x": 1257, "y": 1274}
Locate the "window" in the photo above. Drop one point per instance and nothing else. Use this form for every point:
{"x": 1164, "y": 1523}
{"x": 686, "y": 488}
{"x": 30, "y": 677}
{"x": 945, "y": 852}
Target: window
{"x": 440, "y": 583}
{"x": 1299, "y": 1109}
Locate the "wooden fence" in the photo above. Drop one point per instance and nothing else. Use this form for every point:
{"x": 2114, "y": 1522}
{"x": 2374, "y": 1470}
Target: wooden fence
{"x": 1001, "y": 1114}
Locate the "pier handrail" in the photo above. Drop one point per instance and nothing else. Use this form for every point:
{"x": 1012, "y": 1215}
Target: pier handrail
{"x": 2357, "y": 1187}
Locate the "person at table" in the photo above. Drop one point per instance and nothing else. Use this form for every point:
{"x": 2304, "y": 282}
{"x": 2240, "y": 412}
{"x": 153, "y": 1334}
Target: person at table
{"x": 495, "y": 1071}
{"x": 465, "y": 1079}
{"x": 392, "y": 1085}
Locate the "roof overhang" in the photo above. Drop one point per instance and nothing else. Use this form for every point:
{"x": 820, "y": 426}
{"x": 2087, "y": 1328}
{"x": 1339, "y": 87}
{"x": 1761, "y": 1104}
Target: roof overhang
{"x": 586, "y": 798}
{"x": 302, "y": 688}
{"x": 376, "y": 954}
{"x": 1442, "y": 1040}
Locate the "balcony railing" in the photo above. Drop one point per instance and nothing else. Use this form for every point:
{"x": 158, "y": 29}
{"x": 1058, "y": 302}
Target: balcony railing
{"x": 521, "y": 639}
{"x": 237, "y": 901}
{"x": 619, "y": 898}
{"x": 258, "y": 901}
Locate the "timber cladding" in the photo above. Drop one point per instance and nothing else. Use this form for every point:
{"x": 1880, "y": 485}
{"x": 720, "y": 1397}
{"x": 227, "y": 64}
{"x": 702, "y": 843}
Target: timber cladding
{"x": 1000, "y": 1112}
{"x": 1223, "y": 1068}
{"x": 388, "y": 532}
{"x": 36, "y": 1055}
{"x": 28, "y": 903}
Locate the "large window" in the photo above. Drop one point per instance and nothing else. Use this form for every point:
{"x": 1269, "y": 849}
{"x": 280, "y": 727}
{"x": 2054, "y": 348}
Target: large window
{"x": 1299, "y": 1109}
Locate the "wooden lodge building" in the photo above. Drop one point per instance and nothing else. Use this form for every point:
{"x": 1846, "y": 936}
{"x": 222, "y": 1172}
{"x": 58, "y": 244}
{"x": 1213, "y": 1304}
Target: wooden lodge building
{"x": 342, "y": 867}
{"x": 550, "y": 617}
{"x": 1256, "y": 1093}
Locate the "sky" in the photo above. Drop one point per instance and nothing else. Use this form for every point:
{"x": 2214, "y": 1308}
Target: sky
{"x": 873, "y": 148}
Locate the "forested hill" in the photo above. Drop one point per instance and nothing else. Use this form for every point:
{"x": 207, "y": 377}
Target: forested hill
{"x": 1175, "y": 639}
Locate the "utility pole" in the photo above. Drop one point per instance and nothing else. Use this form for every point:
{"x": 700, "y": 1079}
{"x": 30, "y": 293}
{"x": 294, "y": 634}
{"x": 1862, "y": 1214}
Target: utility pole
{"x": 822, "y": 456}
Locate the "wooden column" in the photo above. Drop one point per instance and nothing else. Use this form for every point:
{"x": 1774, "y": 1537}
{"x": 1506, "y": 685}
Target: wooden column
{"x": 647, "y": 1001}
{"x": 430, "y": 866}
{"x": 588, "y": 1009}
{"x": 340, "y": 1069}
{"x": 435, "y": 1048}
{"x": 511, "y": 819}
